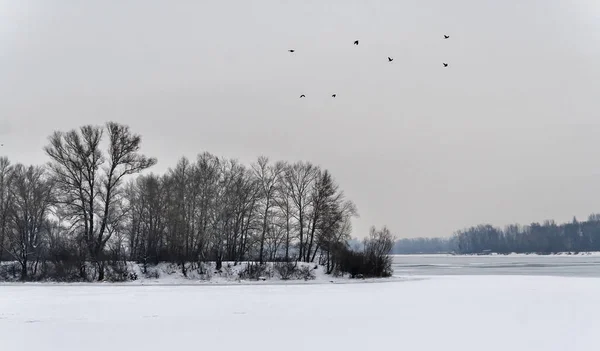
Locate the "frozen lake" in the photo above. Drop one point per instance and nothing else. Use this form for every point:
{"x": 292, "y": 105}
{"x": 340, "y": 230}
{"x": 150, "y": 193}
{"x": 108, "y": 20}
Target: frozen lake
{"x": 536, "y": 303}
{"x": 463, "y": 313}
{"x": 555, "y": 265}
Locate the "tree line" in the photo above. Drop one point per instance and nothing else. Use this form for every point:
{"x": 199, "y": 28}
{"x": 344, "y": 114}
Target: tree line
{"x": 422, "y": 246}
{"x": 545, "y": 238}
{"x": 542, "y": 238}
{"x": 93, "y": 205}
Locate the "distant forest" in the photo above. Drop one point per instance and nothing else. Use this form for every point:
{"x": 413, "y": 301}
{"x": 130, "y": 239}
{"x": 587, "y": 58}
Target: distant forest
{"x": 545, "y": 238}
{"x": 423, "y": 246}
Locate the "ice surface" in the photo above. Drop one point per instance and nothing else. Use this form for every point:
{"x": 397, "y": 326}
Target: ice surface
{"x": 442, "y": 313}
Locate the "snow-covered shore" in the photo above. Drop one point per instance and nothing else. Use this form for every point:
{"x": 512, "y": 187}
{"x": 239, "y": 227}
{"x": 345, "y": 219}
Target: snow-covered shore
{"x": 165, "y": 274}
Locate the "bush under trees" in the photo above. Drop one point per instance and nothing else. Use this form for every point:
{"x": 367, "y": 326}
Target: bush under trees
{"x": 373, "y": 261}
{"x": 291, "y": 270}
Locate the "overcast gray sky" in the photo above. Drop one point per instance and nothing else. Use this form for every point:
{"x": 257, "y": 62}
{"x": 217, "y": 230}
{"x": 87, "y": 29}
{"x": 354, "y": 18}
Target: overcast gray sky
{"x": 509, "y": 132}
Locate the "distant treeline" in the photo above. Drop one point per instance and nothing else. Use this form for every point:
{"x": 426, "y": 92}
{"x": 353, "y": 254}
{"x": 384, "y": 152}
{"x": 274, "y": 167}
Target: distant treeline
{"x": 545, "y": 238}
{"x": 423, "y": 246}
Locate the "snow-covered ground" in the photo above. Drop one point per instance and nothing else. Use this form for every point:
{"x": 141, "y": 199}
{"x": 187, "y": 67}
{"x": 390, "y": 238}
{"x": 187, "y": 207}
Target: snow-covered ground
{"x": 229, "y": 274}
{"x": 440, "y": 313}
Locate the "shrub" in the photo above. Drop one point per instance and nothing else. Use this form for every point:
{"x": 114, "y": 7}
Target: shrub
{"x": 306, "y": 273}
{"x": 227, "y": 271}
{"x": 117, "y": 272}
{"x": 377, "y": 248}
{"x": 254, "y": 271}
{"x": 152, "y": 273}
{"x": 286, "y": 270}
{"x": 9, "y": 271}
{"x": 373, "y": 261}
{"x": 205, "y": 271}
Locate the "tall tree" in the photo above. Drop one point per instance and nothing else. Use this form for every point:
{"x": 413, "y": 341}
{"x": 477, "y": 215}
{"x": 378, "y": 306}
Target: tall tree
{"x": 299, "y": 178}
{"x": 90, "y": 179}
{"x": 267, "y": 176}
{"x": 329, "y": 209}
{"x": 286, "y": 211}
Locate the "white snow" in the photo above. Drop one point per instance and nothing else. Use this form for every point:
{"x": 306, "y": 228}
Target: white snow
{"x": 230, "y": 273}
{"x": 442, "y": 313}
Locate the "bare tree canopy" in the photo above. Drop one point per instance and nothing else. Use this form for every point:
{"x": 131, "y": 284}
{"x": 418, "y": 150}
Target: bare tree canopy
{"x": 90, "y": 179}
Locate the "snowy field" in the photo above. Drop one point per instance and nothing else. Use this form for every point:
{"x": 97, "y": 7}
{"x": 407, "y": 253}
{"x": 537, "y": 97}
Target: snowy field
{"x": 439, "y": 313}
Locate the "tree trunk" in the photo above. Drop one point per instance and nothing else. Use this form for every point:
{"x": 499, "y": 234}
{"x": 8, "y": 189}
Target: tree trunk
{"x": 2, "y": 235}
{"x": 301, "y": 222}
{"x": 24, "y": 269}
{"x": 314, "y": 253}
{"x": 35, "y": 266}
{"x": 287, "y": 239}
{"x": 82, "y": 273}
{"x": 262, "y": 237}
{"x": 100, "y": 266}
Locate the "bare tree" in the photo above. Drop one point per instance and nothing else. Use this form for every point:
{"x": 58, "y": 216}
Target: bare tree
{"x": 299, "y": 178}
{"x": 147, "y": 216}
{"x": 330, "y": 216}
{"x": 90, "y": 180}
{"x": 322, "y": 198}
{"x": 286, "y": 211}
{"x": 32, "y": 200}
{"x": 267, "y": 176}
{"x": 5, "y": 200}
{"x": 377, "y": 248}
{"x": 332, "y": 241}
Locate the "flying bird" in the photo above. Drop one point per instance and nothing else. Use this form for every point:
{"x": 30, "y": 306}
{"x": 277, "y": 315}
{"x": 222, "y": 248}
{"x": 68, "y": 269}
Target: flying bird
{"x": 446, "y": 36}
{"x": 445, "y": 64}
{"x": 390, "y": 59}
{"x": 334, "y": 95}
{"x": 302, "y": 95}
{"x": 291, "y": 50}
{"x": 356, "y": 42}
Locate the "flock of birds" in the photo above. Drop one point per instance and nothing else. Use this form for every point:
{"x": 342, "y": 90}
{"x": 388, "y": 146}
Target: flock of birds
{"x": 390, "y": 59}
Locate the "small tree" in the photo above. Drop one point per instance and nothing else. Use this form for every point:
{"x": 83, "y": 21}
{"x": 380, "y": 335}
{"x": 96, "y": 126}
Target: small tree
{"x": 5, "y": 201}
{"x": 377, "y": 248}
{"x": 32, "y": 198}
{"x": 373, "y": 261}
